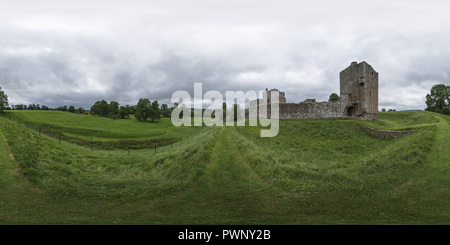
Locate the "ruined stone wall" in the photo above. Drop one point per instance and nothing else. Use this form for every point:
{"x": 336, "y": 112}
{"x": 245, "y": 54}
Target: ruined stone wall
{"x": 315, "y": 110}
{"x": 384, "y": 133}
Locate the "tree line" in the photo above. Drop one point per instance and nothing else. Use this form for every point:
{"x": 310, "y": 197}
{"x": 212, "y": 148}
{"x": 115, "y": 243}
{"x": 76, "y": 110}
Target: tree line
{"x": 438, "y": 100}
{"x": 29, "y": 107}
{"x": 143, "y": 110}
{"x": 46, "y": 108}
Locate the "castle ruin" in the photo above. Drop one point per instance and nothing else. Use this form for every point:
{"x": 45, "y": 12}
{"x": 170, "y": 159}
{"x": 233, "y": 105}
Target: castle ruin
{"x": 358, "y": 98}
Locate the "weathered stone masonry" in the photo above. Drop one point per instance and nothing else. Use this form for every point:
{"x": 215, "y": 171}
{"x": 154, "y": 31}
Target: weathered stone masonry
{"x": 358, "y": 98}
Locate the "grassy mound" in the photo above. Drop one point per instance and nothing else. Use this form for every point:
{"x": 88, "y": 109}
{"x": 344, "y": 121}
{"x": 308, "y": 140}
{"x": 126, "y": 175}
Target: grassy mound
{"x": 313, "y": 172}
{"x": 66, "y": 170}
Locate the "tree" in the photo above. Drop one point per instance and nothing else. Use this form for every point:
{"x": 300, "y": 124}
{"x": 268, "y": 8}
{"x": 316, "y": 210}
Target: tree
{"x": 224, "y": 111}
{"x": 124, "y": 112}
{"x": 175, "y": 105}
{"x": 132, "y": 109}
{"x": 72, "y": 109}
{"x": 100, "y": 108}
{"x": 334, "y": 97}
{"x": 237, "y": 112}
{"x": 155, "y": 112}
{"x": 439, "y": 99}
{"x": 113, "y": 109}
{"x": 165, "y": 110}
{"x": 95, "y": 108}
{"x": 104, "y": 107}
{"x": 143, "y": 108}
{"x": 80, "y": 110}
{"x": 3, "y": 100}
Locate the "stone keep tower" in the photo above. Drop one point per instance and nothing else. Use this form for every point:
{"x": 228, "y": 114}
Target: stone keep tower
{"x": 267, "y": 94}
{"x": 359, "y": 91}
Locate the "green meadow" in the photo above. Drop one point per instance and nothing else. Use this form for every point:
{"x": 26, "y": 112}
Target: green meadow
{"x": 64, "y": 168}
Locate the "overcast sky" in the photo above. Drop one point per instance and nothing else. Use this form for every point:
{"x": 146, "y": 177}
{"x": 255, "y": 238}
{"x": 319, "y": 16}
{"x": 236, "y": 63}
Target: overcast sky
{"x": 59, "y": 52}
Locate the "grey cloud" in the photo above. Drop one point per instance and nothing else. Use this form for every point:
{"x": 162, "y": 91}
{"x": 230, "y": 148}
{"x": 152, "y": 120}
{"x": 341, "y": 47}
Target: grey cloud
{"x": 81, "y": 52}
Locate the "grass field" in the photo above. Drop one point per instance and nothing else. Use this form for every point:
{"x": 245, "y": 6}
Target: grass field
{"x": 106, "y": 133}
{"x": 313, "y": 172}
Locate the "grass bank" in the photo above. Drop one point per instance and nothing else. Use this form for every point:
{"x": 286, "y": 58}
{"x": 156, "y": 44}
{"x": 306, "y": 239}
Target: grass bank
{"x": 313, "y": 172}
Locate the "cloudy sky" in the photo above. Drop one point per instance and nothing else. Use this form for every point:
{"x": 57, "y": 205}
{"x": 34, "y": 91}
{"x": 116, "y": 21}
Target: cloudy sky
{"x": 58, "y": 52}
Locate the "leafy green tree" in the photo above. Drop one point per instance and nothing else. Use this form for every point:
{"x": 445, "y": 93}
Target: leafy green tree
{"x": 143, "y": 108}
{"x": 224, "y": 111}
{"x": 104, "y": 108}
{"x": 155, "y": 112}
{"x": 72, "y": 109}
{"x": 124, "y": 112}
{"x": 100, "y": 108}
{"x": 334, "y": 97}
{"x": 64, "y": 108}
{"x": 131, "y": 109}
{"x": 3, "y": 100}
{"x": 113, "y": 109}
{"x": 439, "y": 99}
{"x": 95, "y": 108}
{"x": 33, "y": 107}
{"x": 165, "y": 110}
{"x": 237, "y": 112}
{"x": 175, "y": 105}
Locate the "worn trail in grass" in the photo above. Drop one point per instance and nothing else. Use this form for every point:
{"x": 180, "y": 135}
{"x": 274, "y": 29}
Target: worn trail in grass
{"x": 433, "y": 183}
{"x": 228, "y": 191}
{"x": 21, "y": 195}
